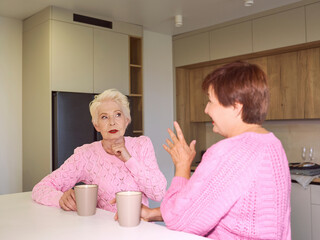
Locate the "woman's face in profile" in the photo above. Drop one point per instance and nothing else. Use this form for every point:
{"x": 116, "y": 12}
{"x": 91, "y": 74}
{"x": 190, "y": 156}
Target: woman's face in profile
{"x": 111, "y": 121}
{"x": 221, "y": 116}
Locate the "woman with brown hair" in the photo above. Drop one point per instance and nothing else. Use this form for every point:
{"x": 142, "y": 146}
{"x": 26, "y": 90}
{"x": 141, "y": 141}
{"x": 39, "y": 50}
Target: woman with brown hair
{"x": 241, "y": 188}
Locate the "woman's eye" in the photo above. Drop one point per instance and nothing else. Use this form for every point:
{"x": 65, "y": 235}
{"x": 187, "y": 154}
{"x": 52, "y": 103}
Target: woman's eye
{"x": 104, "y": 117}
{"x": 118, "y": 115}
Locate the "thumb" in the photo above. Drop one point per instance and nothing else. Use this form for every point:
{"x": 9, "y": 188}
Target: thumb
{"x": 193, "y": 145}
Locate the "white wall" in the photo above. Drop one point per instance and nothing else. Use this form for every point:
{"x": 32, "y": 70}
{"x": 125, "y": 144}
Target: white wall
{"x": 10, "y": 105}
{"x": 158, "y": 96}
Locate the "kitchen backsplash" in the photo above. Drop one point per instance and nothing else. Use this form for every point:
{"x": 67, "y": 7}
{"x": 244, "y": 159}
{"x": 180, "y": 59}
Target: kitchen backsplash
{"x": 294, "y": 134}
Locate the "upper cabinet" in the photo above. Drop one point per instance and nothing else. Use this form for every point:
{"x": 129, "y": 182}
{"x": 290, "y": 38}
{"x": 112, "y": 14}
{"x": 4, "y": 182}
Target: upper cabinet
{"x": 265, "y": 31}
{"x": 191, "y": 49}
{"x": 279, "y": 30}
{"x": 71, "y": 57}
{"x": 313, "y": 22}
{"x": 84, "y": 57}
{"x": 111, "y": 61}
{"x": 230, "y": 41}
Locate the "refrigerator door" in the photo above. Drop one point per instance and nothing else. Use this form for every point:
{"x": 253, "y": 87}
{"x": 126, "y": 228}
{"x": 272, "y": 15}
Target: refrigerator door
{"x": 71, "y": 123}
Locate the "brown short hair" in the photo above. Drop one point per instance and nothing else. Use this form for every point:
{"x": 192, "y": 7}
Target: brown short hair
{"x": 241, "y": 82}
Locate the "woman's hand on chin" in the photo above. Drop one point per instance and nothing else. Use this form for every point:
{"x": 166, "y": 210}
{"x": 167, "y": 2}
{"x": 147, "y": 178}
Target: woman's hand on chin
{"x": 119, "y": 149}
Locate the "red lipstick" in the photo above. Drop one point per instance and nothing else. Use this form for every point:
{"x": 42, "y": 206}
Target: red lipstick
{"x": 113, "y": 131}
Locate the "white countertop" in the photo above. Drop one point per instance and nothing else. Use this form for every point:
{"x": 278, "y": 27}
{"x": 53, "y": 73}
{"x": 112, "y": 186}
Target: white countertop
{"x": 22, "y": 218}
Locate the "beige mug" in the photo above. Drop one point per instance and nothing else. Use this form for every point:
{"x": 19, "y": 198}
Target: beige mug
{"x": 129, "y": 208}
{"x": 86, "y": 199}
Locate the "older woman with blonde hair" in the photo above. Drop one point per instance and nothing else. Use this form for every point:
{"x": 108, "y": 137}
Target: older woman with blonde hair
{"x": 116, "y": 163}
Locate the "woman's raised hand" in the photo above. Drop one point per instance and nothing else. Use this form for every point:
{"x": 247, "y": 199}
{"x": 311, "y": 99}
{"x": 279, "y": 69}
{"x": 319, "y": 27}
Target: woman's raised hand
{"x": 181, "y": 153}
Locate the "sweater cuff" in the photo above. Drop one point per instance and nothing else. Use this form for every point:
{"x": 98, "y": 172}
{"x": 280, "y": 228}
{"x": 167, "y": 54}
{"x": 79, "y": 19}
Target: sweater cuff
{"x": 56, "y": 198}
{"x": 132, "y": 164}
{"x": 179, "y": 181}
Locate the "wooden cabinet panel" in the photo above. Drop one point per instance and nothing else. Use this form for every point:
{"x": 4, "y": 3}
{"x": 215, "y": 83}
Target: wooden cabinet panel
{"x": 231, "y": 41}
{"x": 279, "y": 30}
{"x": 191, "y": 49}
{"x": 72, "y": 57}
{"x": 312, "y": 102}
{"x": 300, "y": 212}
{"x": 313, "y": 22}
{"x": 292, "y": 86}
{"x": 198, "y": 98}
{"x": 111, "y": 61}
{"x": 183, "y": 101}
{"x": 275, "y": 110}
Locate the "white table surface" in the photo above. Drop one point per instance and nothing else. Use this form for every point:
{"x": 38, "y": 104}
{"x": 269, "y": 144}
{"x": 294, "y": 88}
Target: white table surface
{"x": 22, "y": 218}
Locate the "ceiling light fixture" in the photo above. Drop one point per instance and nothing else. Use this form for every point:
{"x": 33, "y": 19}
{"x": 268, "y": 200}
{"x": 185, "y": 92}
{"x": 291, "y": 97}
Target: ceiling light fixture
{"x": 248, "y": 3}
{"x": 178, "y": 20}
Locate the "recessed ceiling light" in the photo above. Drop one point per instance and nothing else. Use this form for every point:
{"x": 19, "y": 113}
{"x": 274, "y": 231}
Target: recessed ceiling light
{"x": 178, "y": 20}
{"x": 248, "y": 3}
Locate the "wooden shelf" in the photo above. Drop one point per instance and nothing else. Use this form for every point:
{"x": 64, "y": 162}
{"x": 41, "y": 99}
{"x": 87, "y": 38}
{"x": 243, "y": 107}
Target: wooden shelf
{"x": 135, "y": 95}
{"x": 135, "y": 66}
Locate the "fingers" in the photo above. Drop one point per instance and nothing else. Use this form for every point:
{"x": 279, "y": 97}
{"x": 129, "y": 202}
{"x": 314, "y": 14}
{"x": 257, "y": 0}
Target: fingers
{"x": 172, "y": 135}
{"x": 116, "y": 216}
{"x": 67, "y": 202}
{"x": 112, "y": 201}
{"x": 179, "y": 131}
{"x": 193, "y": 145}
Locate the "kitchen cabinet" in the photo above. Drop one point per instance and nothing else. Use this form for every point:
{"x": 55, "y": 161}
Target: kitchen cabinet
{"x": 111, "y": 61}
{"x": 279, "y": 30}
{"x": 232, "y": 40}
{"x": 72, "y": 57}
{"x": 89, "y": 60}
{"x": 191, "y": 49}
{"x": 305, "y": 212}
{"x": 199, "y": 98}
{"x": 312, "y": 74}
{"x": 315, "y": 211}
{"x": 313, "y": 22}
{"x": 300, "y": 212}
{"x": 292, "y": 80}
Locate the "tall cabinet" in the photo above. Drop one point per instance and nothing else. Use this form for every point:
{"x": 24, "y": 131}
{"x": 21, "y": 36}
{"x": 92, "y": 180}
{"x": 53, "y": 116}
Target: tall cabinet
{"x": 60, "y": 54}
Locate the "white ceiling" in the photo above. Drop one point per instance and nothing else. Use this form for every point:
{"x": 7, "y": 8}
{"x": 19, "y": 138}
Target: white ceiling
{"x": 154, "y": 15}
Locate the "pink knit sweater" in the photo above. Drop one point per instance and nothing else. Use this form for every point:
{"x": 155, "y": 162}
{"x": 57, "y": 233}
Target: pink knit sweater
{"x": 240, "y": 190}
{"x": 91, "y": 164}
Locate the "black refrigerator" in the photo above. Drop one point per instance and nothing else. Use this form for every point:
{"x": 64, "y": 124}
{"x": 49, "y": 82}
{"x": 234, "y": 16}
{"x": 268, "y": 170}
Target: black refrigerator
{"x": 71, "y": 124}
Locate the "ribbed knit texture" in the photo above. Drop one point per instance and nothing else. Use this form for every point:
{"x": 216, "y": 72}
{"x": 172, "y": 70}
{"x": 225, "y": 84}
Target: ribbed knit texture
{"x": 91, "y": 164}
{"x": 240, "y": 190}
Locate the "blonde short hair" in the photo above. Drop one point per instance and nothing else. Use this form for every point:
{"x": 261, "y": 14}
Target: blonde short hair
{"x": 113, "y": 95}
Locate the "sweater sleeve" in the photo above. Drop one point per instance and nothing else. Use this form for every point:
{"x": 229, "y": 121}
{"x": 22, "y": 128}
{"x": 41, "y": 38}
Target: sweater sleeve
{"x": 197, "y": 205}
{"x": 50, "y": 189}
{"x": 145, "y": 170}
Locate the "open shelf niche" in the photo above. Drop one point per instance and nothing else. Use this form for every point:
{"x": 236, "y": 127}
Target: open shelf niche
{"x": 136, "y": 88}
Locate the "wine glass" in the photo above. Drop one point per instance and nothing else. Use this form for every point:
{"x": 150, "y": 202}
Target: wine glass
{"x": 311, "y": 154}
{"x": 303, "y": 154}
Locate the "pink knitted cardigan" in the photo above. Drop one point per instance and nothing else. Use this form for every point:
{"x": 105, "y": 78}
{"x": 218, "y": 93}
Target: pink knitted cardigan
{"x": 91, "y": 164}
{"x": 240, "y": 190}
